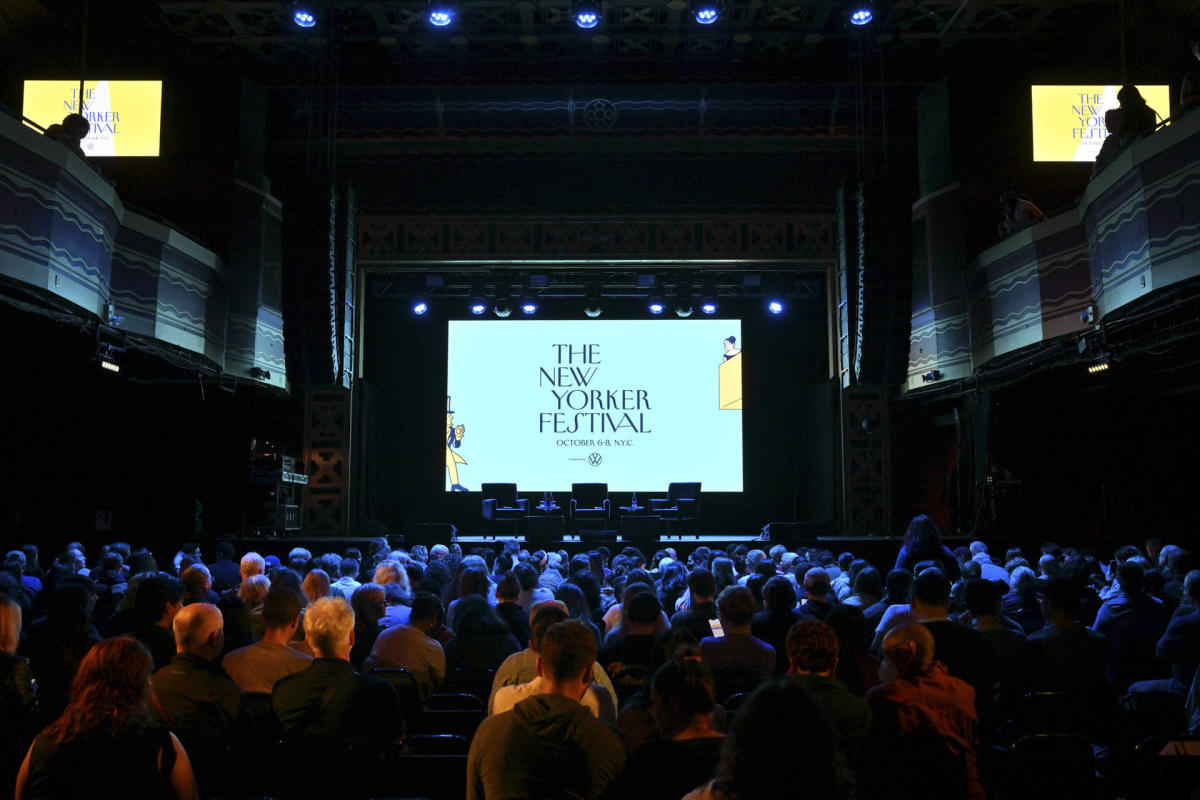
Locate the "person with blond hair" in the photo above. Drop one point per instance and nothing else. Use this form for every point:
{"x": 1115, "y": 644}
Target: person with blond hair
{"x": 107, "y": 729}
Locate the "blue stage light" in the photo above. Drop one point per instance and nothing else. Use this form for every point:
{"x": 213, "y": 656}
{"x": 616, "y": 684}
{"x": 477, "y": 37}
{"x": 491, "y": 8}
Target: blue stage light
{"x": 587, "y": 14}
{"x": 441, "y": 14}
{"x": 707, "y": 14}
{"x": 861, "y": 15}
{"x": 303, "y": 15}
{"x": 420, "y": 307}
{"x": 709, "y": 308}
{"x": 775, "y": 307}
{"x": 529, "y": 309}
{"x": 478, "y": 308}
{"x": 656, "y": 307}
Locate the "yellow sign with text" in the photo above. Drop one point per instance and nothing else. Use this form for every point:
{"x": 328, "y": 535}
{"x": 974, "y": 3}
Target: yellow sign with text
{"x": 125, "y": 116}
{"x": 1068, "y": 121}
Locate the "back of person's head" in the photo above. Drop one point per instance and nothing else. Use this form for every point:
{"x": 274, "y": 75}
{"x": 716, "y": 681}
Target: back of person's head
{"x": 736, "y": 606}
{"x": 899, "y": 581}
{"x": 526, "y": 575}
{"x": 542, "y": 619}
{"x": 931, "y": 588}
{"x": 195, "y": 580}
{"x": 252, "y": 564}
{"x": 281, "y": 607}
{"x": 473, "y": 616}
{"x": 328, "y": 626}
{"x": 680, "y": 690}
{"x": 474, "y": 581}
{"x": 508, "y": 588}
{"x": 923, "y": 536}
{"x": 225, "y": 549}
{"x": 194, "y": 627}
{"x": 565, "y": 650}
{"x": 983, "y": 597}
{"x": 816, "y": 582}
{"x": 154, "y": 594}
{"x": 908, "y": 649}
{"x": 1191, "y": 585}
{"x": 722, "y": 569}
{"x": 778, "y": 594}
{"x": 1023, "y": 580}
{"x": 348, "y": 568}
{"x": 110, "y": 690}
{"x": 701, "y": 583}
{"x": 1063, "y": 595}
{"x": 812, "y": 646}
{"x": 868, "y": 582}
{"x": 426, "y": 606}
{"x": 253, "y": 590}
{"x": 1129, "y": 95}
{"x": 1130, "y": 576}
{"x": 316, "y": 585}
{"x": 778, "y": 725}
{"x": 368, "y": 603}
{"x": 76, "y": 126}
{"x": 10, "y": 624}
{"x": 643, "y": 608}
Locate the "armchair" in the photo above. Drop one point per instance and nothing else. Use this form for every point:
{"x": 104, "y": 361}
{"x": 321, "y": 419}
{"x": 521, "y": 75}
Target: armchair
{"x": 681, "y": 505}
{"x": 590, "y": 503}
{"x": 500, "y": 503}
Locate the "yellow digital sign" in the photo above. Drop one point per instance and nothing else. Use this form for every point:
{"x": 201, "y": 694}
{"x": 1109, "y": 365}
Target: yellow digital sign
{"x": 125, "y": 116}
{"x": 1068, "y": 121}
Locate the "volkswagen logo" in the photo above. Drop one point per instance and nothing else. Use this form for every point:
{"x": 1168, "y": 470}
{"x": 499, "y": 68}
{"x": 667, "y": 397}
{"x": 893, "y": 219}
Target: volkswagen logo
{"x": 594, "y": 459}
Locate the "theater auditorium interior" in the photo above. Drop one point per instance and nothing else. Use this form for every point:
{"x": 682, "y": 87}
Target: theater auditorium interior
{"x": 866, "y": 333}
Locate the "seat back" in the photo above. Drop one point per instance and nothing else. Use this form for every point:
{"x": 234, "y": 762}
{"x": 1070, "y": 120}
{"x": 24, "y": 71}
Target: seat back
{"x": 589, "y": 495}
{"x": 504, "y": 494}
{"x": 677, "y": 492}
{"x": 407, "y": 687}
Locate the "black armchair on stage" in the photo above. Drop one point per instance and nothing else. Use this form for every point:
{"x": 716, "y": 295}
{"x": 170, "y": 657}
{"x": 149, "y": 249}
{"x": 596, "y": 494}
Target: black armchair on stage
{"x": 501, "y": 504}
{"x": 590, "y": 507}
{"x": 680, "y": 508}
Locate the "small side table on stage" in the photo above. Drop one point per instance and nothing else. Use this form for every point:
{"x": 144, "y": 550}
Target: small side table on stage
{"x": 545, "y": 523}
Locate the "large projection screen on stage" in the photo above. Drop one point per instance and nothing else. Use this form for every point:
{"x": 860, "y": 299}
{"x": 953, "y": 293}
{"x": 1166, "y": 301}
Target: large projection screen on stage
{"x": 635, "y": 404}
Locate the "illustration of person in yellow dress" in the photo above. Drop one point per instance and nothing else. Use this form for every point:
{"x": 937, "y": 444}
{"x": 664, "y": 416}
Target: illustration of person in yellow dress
{"x": 454, "y": 436}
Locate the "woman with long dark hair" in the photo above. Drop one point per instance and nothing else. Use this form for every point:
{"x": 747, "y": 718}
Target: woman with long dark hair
{"x": 106, "y": 730}
{"x": 923, "y": 542}
{"x": 481, "y": 639}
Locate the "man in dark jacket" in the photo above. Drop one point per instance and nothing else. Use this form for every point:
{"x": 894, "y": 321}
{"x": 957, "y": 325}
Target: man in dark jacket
{"x": 549, "y": 746}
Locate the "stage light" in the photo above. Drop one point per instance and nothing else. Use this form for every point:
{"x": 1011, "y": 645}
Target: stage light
{"x": 478, "y": 307}
{"x": 587, "y": 14}
{"x": 529, "y": 309}
{"x": 1101, "y": 364}
{"x": 656, "y": 307}
{"x": 707, "y": 13}
{"x": 683, "y": 309}
{"x": 502, "y": 309}
{"x": 592, "y": 307}
{"x": 420, "y": 307}
{"x": 107, "y": 359}
{"x": 861, "y": 15}
{"x": 709, "y": 307}
{"x": 304, "y": 15}
{"x": 441, "y": 13}
{"x": 775, "y": 307}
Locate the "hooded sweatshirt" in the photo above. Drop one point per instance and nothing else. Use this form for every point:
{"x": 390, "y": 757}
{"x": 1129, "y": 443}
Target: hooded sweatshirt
{"x": 548, "y": 746}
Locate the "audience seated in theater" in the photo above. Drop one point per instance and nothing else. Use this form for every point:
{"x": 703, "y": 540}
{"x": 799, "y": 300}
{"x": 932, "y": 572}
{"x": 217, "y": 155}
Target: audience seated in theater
{"x": 1133, "y": 622}
{"x": 631, "y": 658}
{"x": 257, "y": 667}
{"x": 369, "y": 605}
{"x": 347, "y": 582}
{"x": 481, "y": 639}
{"x": 867, "y": 588}
{"x": 687, "y": 751}
{"x": 159, "y": 599}
{"x": 1069, "y": 658}
{"x": 818, "y": 598}
{"x": 1137, "y": 118}
{"x": 332, "y": 716}
{"x": 226, "y": 573}
{"x": 1180, "y": 644}
{"x": 1021, "y": 604}
{"x": 16, "y": 692}
{"x": 857, "y": 667}
{"x": 632, "y": 587}
{"x": 812, "y": 650}
{"x": 779, "y": 746}
{"x": 198, "y": 701}
{"x": 702, "y": 605}
{"x": 598, "y": 699}
{"x": 1112, "y": 142}
{"x": 471, "y": 581}
{"x": 923, "y": 541}
{"x": 773, "y": 623}
{"x": 896, "y": 588}
{"x": 571, "y": 593}
{"x": 299, "y": 560}
{"x": 316, "y": 585}
{"x": 1010, "y": 648}
{"x": 673, "y": 583}
{"x": 739, "y": 661}
{"x": 56, "y": 643}
{"x": 508, "y": 589}
{"x": 924, "y": 732}
{"x": 531, "y": 591}
{"x": 411, "y": 647}
{"x": 252, "y": 564}
{"x": 197, "y": 585}
{"x": 548, "y": 745}
{"x": 106, "y": 734}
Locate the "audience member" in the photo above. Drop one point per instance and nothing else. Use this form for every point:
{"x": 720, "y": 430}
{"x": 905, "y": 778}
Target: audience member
{"x": 159, "y": 598}
{"x": 631, "y": 658}
{"x": 549, "y": 746}
{"x": 1180, "y": 644}
{"x": 1067, "y": 657}
{"x": 1133, "y": 622}
{"x": 812, "y": 651}
{"x": 481, "y": 639}
{"x": 1137, "y": 118}
{"x": 771, "y": 625}
{"x": 1112, "y": 142}
{"x": 56, "y": 643}
{"x": 739, "y": 661}
{"x": 923, "y": 541}
{"x": 347, "y": 582}
{"x": 411, "y": 646}
{"x": 508, "y": 590}
{"x": 702, "y": 605}
{"x": 818, "y": 596}
{"x": 257, "y": 667}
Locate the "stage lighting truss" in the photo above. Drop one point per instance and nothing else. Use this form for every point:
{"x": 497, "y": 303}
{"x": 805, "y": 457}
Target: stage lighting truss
{"x": 587, "y": 13}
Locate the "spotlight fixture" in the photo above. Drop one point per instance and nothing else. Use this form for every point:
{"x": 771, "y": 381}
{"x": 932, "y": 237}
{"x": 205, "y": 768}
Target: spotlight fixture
{"x": 861, "y": 15}
{"x": 420, "y": 307}
{"x": 106, "y": 357}
{"x": 683, "y": 300}
{"x": 529, "y": 308}
{"x": 587, "y": 13}
{"x": 478, "y": 307}
{"x": 775, "y": 307}
{"x": 1101, "y": 364}
{"x": 502, "y": 309}
{"x": 592, "y": 307}
{"x": 656, "y": 307}
{"x": 303, "y": 14}
{"x": 707, "y": 12}
{"x": 708, "y": 307}
{"x": 440, "y": 13}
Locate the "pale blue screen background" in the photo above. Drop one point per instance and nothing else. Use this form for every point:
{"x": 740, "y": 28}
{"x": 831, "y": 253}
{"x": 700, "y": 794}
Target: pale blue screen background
{"x": 499, "y": 395}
